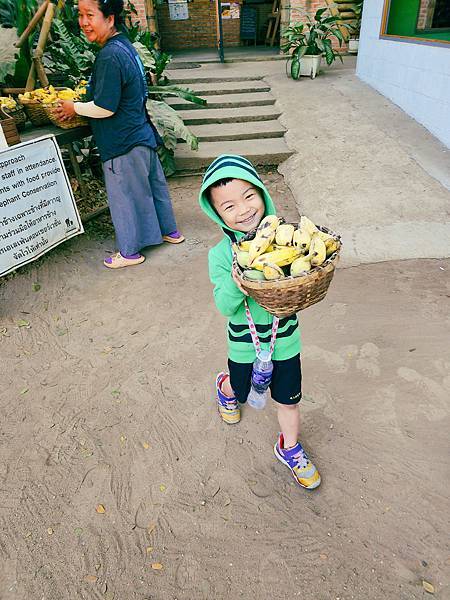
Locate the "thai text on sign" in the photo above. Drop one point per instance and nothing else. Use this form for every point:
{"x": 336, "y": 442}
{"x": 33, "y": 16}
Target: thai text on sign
{"x": 37, "y": 206}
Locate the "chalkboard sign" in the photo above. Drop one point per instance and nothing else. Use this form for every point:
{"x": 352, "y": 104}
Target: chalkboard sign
{"x": 248, "y": 23}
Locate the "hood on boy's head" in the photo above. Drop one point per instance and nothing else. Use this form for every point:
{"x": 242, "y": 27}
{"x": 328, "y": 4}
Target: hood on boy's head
{"x": 234, "y": 167}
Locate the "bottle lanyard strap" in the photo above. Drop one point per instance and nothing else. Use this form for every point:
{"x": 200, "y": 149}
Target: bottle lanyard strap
{"x": 253, "y": 333}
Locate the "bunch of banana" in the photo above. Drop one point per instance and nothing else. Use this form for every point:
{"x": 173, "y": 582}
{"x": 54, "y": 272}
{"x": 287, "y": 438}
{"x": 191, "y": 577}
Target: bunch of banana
{"x": 279, "y": 249}
{"x": 8, "y": 102}
{"x": 49, "y": 94}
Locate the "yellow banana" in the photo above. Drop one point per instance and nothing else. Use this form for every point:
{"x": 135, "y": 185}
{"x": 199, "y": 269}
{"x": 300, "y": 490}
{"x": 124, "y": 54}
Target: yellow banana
{"x": 324, "y": 236}
{"x": 300, "y": 265}
{"x": 241, "y": 257}
{"x": 270, "y": 222}
{"x": 281, "y": 257}
{"x": 301, "y": 240}
{"x": 260, "y": 244}
{"x": 317, "y": 251}
{"x": 307, "y": 225}
{"x": 284, "y": 234}
{"x": 272, "y": 271}
{"x": 244, "y": 245}
{"x": 254, "y": 275}
{"x": 331, "y": 245}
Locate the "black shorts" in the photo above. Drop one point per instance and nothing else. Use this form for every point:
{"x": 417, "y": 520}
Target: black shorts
{"x": 286, "y": 384}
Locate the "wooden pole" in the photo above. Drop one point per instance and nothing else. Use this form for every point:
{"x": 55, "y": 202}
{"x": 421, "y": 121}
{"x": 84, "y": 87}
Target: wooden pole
{"x": 32, "y": 24}
{"x": 152, "y": 22}
{"x": 43, "y": 35}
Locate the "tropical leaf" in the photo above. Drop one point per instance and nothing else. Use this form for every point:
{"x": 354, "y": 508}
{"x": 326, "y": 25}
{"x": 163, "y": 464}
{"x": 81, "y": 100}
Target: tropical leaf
{"x": 295, "y": 68}
{"x": 145, "y": 55}
{"x": 174, "y": 90}
{"x": 169, "y": 124}
{"x": 329, "y": 52}
{"x": 320, "y": 12}
{"x": 6, "y": 69}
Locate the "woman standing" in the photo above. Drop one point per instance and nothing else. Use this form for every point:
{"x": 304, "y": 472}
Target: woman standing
{"x": 138, "y": 195}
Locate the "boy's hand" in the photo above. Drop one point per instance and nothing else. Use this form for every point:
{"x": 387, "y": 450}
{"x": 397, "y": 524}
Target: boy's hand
{"x": 237, "y": 282}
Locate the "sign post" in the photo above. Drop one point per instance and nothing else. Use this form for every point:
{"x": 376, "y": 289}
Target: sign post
{"x": 37, "y": 206}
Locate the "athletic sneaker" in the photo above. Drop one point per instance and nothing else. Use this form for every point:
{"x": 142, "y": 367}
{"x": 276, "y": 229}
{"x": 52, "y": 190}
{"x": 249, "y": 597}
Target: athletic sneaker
{"x": 228, "y": 407}
{"x": 304, "y": 472}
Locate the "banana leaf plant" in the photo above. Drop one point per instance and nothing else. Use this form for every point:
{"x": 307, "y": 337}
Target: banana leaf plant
{"x": 16, "y": 14}
{"x": 312, "y": 37}
{"x": 69, "y": 54}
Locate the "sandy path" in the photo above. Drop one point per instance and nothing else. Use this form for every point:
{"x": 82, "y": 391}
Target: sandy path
{"x": 107, "y": 399}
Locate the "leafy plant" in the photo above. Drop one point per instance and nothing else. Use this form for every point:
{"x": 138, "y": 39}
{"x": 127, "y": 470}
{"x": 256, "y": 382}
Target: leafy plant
{"x": 313, "y": 37}
{"x": 170, "y": 127}
{"x": 69, "y": 54}
{"x": 16, "y": 14}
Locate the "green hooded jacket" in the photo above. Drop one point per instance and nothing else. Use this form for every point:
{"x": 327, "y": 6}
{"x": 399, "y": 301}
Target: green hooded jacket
{"x": 229, "y": 299}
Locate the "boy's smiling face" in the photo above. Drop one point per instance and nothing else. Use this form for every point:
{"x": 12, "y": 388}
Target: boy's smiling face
{"x": 239, "y": 204}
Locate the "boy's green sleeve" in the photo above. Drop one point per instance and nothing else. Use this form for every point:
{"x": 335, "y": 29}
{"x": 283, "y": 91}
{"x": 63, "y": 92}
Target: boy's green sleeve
{"x": 228, "y": 297}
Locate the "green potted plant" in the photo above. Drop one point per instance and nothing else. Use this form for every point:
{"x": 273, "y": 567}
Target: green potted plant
{"x": 308, "y": 41}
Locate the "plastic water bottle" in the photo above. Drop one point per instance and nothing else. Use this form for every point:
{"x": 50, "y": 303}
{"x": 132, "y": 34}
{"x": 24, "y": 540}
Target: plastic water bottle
{"x": 261, "y": 377}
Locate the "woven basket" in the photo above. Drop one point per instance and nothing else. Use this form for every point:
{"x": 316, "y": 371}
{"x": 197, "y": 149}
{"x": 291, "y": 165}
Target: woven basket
{"x": 284, "y": 297}
{"x": 75, "y": 121}
{"x": 35, "y": 111}
{"x": 19, "y": 116}
{"x": 9, "y": 127}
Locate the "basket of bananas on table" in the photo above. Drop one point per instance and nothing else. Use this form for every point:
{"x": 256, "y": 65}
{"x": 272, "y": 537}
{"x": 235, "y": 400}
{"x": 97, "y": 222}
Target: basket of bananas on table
{"x": 286, "y": 267}
{"x": 40, "y": 104}
{"x": 10, "y": 108}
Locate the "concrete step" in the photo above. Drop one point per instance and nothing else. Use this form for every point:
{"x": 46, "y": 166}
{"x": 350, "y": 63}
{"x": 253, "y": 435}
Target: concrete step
{"x": 211, "y": 79}
{"x": 229, "y": 115}
{"x": 238, "y": 131}
{"x": 269, "y": 152}
{"x": 229, "y": 87}
{"x": 225, "y": 101}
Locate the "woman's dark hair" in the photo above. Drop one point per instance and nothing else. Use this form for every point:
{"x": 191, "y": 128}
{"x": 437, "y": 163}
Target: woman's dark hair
{"x": 112, "y": 7}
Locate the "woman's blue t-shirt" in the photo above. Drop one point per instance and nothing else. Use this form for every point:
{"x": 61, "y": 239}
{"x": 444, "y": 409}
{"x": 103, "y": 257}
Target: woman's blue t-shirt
{"x": 116, "y": 85}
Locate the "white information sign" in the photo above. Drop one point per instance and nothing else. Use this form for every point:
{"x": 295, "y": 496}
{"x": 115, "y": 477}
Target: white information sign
{"x": 178, "y": 11}
{"x": 37, "y": 207}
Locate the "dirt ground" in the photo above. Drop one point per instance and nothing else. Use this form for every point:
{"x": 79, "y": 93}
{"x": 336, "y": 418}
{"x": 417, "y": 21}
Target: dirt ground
{"x": 107, "y": 398}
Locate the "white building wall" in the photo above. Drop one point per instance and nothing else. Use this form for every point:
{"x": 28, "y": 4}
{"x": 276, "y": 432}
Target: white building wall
{"x": 416, "y": 77}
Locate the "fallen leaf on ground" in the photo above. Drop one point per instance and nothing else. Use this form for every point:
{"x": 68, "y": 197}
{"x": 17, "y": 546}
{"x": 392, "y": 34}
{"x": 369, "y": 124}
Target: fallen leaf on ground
{"x": 123, "y": 439}
{"x": 97, "y": 567}
{"x": 100, "y": 509}
{"x": 428, "y": 587}
{"x": 157, "y": 566}
{"x": 91, "y": 578}
{"x": 23, "y": 323}
{"x": 24, "y": 391}
{"x": 323, "y": 556}
{"x": 50, "y": 531}
{"x": 149, "y": 549}
{"x": 145, "y": 445}
{"x": 162, "y": 488}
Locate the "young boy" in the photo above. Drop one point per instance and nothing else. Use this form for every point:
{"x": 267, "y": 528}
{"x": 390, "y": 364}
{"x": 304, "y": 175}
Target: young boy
{"x": 234, "y": 197}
